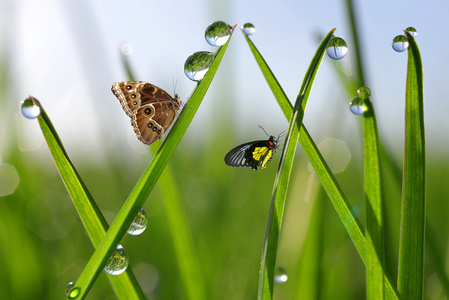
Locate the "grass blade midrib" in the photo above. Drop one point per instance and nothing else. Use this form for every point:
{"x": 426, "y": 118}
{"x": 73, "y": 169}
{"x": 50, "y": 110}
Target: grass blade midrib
{"x": 412, "y": 238}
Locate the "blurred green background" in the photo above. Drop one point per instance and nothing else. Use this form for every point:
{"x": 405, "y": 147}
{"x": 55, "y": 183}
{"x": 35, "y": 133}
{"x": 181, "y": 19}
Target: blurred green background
{"x": 67, "y": 56}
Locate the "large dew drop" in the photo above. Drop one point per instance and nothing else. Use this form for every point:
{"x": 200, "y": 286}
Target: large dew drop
{"x": 248, "y": 29}
{"x": 357, "y": 106}
{"x": 118, "y": 262}
{"x": 218, "y": 33}
{"x": 337, "y": 48}
{"x": 412, "y": 31}
{"x": 31, "y": 108}
{"x": 197, "y": 65}
{"x": 139, "y": 224}
{"x": 400, "y": 43}
{"x": 280, "y": 275}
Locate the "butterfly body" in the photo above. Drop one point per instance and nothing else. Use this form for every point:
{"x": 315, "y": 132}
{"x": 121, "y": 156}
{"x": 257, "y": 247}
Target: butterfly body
{"x": 151, "y": 109}
{"x": 253, "y": 154}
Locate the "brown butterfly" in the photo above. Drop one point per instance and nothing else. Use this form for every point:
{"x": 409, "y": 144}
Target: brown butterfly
{"x": 150, "y": 108}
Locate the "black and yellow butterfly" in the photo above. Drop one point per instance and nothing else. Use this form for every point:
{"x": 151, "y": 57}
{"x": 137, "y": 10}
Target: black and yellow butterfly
{"x": 253, "y": 154}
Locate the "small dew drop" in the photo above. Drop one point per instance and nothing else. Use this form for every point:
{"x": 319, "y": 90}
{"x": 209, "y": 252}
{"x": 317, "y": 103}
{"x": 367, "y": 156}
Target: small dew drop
{"x": 197, "y": 65}
{"x": 280, "y": 275}
{"x": 357, "y": 106}
{"x": 126, "y": 49}
{"x": 337, "y": 48}
{"x": 400, "y": 43}
{"x": 248, "y": 29}
{"x": 118, "y": 262}
{"x": 364, "y": 92}
{"x": 71, "y": 291}
{"x": 31, "y": 108}
{"x": 139, "y": 224}
{"x": 69, "y": 288}
{"x": 412, "y": 31}
{"x": 218, "y": 33}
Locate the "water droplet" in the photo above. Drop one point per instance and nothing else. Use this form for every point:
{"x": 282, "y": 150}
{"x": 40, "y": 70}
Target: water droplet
{"x": 400, "y": 43}
{"x": 71, "y": 291}
{"x": 364, "y": 92}
{"x": 357, "y": 106}
{"x": 412, "y": 31}
{"x": 218, "y": 33}
{"x": 337, "y": 48}
{"x": 248, "y": 29}
{"x": 118, "y": 262}
{"x": 139, "y": 224}
{"x": 126, "y": 49}
{"x": 197, "y": 65}
{"x": 280, "y": 275}
{"x": 31, "y": 108}
{"x": 69, "y": 288}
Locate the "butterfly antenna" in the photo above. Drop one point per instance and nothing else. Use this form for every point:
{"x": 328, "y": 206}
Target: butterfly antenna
{"x": 260, "y": 126}
{"x": 281, "y": 134}
{"x": 175, "y": 83}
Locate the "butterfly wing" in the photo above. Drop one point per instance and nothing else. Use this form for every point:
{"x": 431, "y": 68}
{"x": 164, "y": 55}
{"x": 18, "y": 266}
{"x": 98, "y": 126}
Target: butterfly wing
{"x": 128, "y": 92}
{"x": 151, "y": 109}
{"x": 251, "y": 154}
{"x": 150, "y": 121}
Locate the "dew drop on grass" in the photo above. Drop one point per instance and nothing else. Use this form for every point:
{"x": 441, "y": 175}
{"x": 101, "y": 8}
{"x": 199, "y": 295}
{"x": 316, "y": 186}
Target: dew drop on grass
{"x": 412, "y": 31}
{"x": 337, "y": 48}
{"x": 400, "y": 43}
{"x": 357, "y": 106}
{"x": 139, "y": 224}
{"x": 30, "y": 108}
{"x": 197, "y": 65}
{"x": 280, "y": 275}
{"x": 364, "y": 92}
{"x": 118, "y": 262}
{"x": 69, "y": 288}
{"x": 71, "y": 291}
{"x": 248, "y": 29}
{"x": 218, "y": 33}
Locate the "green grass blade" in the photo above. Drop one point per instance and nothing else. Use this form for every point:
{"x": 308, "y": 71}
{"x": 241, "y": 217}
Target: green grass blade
{"x": 411, "y": 250}
{"x": 189, "y": 268}
{"x": 330, "y": 184}
{"x": 191, "y": 276}
{"x": 374, "y": 235}
{"x": 268, "y": 263}
{"x": 146, "y": 183}
{"x": 126, "y": 286}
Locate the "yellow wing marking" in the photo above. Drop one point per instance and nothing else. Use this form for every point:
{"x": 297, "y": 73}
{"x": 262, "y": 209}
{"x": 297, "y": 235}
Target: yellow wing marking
{"x": 267, "y": 159}
{"x": 260, "y": 152}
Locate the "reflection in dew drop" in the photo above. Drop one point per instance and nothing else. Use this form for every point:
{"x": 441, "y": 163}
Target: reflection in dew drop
{"x": 400, "y": 43}
{"x": 218, "y": 33}
{"x": 139, "y": 224}
{"x": 412, "y": 31}
{"x": 126, "y": 49}
{"x": 280, "y": 275}
{"x": 337, "y": 48}
{"x": 364, "y": 92}
{"x": 69, "y": 288}
{"x": 118, "y": 262}
{"x": 248, "y": 29}
{"x": 357, "y": 106}
{"x": 31, "y": 108}
{"x": 197, "y": 65}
